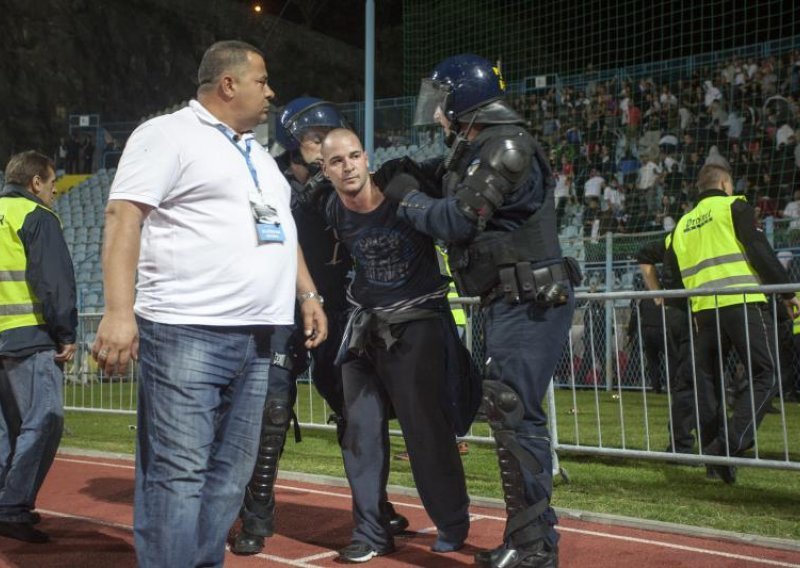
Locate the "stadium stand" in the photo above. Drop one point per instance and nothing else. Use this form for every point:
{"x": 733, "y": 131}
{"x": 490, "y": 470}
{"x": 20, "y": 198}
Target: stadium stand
{"x": 607, "y": 126}
{"x": 643, "y": 136}
{"x": 746, "y": 107}
{"x": 81, "y": 211}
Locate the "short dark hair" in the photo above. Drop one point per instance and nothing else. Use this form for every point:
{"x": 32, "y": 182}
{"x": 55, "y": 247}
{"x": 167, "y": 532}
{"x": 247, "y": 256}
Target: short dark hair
{"x": 711, "y": 176}
{"x": 23, "y": 167}
{"x": 223, "y": 57}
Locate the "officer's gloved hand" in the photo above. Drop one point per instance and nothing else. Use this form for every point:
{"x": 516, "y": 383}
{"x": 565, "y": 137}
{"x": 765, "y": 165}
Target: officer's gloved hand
{"x": 387, "y": 171}
{"x": 317, "y": 189}
{"x": 400, "y": 186}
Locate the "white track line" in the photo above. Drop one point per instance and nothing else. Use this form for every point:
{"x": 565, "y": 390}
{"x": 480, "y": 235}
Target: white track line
{"x": 88, "y": 462}
{"x": 320, "y": 556}
{"x": 302, "y": 562}
{"x": 682, "y": 547}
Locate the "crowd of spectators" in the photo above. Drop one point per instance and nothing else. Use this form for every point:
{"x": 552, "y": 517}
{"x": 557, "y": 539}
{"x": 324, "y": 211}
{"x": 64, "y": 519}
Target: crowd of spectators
{"x": 75, "y": 155}
{"x": 626, "y": 156}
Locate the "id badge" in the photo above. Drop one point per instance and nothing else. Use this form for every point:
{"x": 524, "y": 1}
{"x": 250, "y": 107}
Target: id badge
{"x": 269, "y": 233}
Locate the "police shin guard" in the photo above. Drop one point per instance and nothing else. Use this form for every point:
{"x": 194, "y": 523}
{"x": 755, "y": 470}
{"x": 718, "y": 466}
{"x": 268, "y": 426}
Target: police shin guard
{"x": 524, "y": 538}
{"x": 258, "y": 510}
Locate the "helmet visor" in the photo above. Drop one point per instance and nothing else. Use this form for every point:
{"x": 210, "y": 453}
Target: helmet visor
{"x": 432, "y": 96}
{"x": 318, "y": 115}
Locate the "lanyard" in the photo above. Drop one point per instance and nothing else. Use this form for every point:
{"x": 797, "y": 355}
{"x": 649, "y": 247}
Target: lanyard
{"x": 246, "y": 154}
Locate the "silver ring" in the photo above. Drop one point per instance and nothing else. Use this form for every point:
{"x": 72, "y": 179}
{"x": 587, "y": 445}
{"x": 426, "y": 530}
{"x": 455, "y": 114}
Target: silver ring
{"x": 102, "y": 354}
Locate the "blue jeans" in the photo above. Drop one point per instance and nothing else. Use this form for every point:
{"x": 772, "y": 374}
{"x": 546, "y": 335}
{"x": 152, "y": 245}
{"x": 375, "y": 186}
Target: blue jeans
{"x": 201, "y": 394}
{"x": 30, "y": 429}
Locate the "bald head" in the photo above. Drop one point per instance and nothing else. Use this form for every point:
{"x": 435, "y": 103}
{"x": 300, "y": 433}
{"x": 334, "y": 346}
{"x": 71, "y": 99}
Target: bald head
{"x": 344, "y": 162}
{"x": 336, "y": 137}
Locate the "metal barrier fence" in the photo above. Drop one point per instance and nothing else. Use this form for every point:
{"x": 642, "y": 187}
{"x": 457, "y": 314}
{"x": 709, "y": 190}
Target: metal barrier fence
{"x": 604, "y": 400}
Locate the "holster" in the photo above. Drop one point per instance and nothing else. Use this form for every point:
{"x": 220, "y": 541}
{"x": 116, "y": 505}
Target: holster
{"x": 520, "y": 283}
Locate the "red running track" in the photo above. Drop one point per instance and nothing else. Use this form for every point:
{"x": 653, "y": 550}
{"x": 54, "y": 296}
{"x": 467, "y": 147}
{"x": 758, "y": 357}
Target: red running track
{"x": 86, "y": 505}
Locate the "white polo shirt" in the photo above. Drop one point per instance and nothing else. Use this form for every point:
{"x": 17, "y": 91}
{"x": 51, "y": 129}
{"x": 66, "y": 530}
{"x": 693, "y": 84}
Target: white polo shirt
{"x": 200, "y": 261}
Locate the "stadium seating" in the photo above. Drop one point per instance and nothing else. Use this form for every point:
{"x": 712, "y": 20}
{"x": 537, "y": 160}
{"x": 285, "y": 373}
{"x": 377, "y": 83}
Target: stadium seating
{"x": 419, "y": 153}
{"x": 82, "y": 215}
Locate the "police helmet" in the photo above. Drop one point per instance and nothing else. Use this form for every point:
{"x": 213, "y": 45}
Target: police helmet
{"x": 464, "y": 88}
{"x": 301, "y": 114}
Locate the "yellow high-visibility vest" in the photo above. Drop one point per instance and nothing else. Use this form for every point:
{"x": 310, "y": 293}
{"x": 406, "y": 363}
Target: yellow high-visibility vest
{"x": 19, "y": 306}
{"x": 459, "y": 315}
{"x": 710, "y": 256}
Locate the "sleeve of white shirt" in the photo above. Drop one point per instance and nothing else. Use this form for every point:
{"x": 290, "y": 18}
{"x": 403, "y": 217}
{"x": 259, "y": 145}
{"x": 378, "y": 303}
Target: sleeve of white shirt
{"x": 149, "y": 166}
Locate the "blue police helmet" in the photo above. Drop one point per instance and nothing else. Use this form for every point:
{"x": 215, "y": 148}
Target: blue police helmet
{"x": 301, "y": 114}
{"x": 464, "y": 87}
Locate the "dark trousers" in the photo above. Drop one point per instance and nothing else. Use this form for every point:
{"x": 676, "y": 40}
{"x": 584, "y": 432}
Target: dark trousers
{"x": 681, "y": 377}
{"x": 327, "y": 377}
{"x": 524, "y": 343}
{"x": 748, "y": 329}
{"x": 653, "y": 347}
{"x": 409, "y": 377}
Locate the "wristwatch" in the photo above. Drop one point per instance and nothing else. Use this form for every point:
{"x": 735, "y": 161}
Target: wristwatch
{"x": 311, "y": 296}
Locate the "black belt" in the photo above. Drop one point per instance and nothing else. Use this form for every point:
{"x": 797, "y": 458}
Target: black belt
{"x": 522, "y": 282}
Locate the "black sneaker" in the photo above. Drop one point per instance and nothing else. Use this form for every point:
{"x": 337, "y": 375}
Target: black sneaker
{"x": 362, "y": 552}
{"x": 22, "y": 531}
{"x": 397, "y": 524}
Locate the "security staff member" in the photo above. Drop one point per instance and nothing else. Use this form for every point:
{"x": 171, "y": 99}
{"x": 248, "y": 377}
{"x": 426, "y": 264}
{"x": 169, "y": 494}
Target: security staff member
{"x": 718, "y": 244}
{"x": 302, "y": 126}
{"x": 38, "y": 320}
{"x": 682, "y": 413}
{"x": 495, "y": 210}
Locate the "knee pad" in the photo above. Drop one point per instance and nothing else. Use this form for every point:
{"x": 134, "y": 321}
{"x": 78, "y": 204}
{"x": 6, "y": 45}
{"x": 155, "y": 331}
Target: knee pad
{"x": 277, "y": 412}
{"x": 502, "y": 406}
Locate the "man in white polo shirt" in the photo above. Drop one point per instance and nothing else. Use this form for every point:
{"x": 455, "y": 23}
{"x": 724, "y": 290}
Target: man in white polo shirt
{"x": 204, "y": 210}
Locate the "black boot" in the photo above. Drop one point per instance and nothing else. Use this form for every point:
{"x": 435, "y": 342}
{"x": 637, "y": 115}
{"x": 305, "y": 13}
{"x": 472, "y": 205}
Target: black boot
{"x": 537, "y": 555}
{"x": 246, "y": 544}
{"x": 726, "y": 473}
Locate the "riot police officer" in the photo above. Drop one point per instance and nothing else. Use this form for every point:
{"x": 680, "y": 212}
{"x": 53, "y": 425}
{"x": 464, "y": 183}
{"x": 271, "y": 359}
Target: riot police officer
{"x": 302, "y": 126}
{"x": 495, "y": 210}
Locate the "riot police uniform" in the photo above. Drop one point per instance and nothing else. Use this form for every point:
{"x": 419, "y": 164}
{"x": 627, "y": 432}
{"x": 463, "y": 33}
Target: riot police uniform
{"x": 495, "y": 210}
